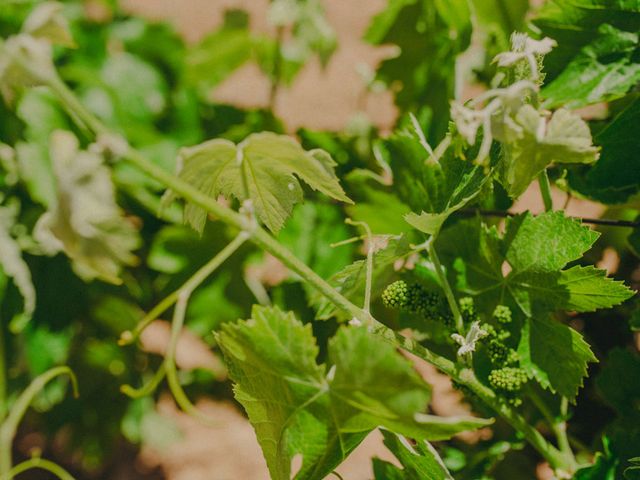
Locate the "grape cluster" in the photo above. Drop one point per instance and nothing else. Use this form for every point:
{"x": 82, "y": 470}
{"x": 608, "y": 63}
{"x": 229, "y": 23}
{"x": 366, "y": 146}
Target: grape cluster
{"x": 508, "y": 382}
{"x": 396, "y": 295}
{"x": 415, "y": 299}
{"x": 468, "y": 309}
{"x": 502, "y": 314}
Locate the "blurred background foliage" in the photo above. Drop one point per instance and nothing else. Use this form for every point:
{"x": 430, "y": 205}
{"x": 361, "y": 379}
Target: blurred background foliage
{"x": 143, "y": 80}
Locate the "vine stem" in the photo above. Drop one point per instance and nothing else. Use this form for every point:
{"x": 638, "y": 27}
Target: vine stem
{"x": 178, "y": 322}
{"x": 265, "y": 241}
{"x": 558, "y": 424}
{"x": 448, "y": 292}
{"x": 37, "y": 462}
{"x": 609, "y": 222}
{"x": 3, "y": 375}
{"x": 369, "y": 272}
{"x": 10, "y": 424}
{"x": 545, "y": 191}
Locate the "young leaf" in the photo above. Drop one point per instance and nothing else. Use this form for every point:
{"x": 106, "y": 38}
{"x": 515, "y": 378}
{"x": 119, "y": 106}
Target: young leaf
{"x": 350, "y": 281}
{"x": 84, "y": 221}
{"x": 12, "y": 265}
{"x": 322, "y": 411}
{"x": 565, "y": 138}
{"x": 554, "y": 354}
{"x": 434, "y": 188}
{"x": 420, "y": 461}
{"x": 262, "y": 168}
{"x": 592, "y": 76}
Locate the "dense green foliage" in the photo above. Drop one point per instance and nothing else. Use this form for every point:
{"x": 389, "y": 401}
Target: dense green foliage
{"x": 127, "y": 192}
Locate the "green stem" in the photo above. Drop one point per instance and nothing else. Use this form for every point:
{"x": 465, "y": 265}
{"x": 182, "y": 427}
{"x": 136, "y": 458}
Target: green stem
{"x": 268, "y": 243}
{"x": 146, "y": 389}
{"x": 448, "y": 292}
{"x": 41, "y": 463}
{"x": 3, "y": 375}
{"x": 369, "y": 271}
{"x": 178, "y": 322}
{"x": 545, "y": 191}
{"x": 9, "y": 426}
{"x": 129, "y": 336}
{"x": 557, "y": 424}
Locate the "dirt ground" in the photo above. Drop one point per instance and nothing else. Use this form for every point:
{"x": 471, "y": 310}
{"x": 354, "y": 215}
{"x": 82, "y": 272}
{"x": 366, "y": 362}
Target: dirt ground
{"x": 319, "y": 98}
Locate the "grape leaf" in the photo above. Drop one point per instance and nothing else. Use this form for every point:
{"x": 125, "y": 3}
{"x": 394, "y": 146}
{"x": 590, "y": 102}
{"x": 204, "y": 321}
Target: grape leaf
{"x": 565, "y": 138}
{"x": 350, "y": 281}
{"x": 264, "y": 165}
{"x": 603, "y": 71}
{"x": 535, "y": 249}
{"x": 12, "y": 264}
{"x": 429, "y": 35}
{"x": 84, "y": 221}
{"x": 323, "y": 411}
{"x": 554, "y": 354}
{"x": 220, "y": 53}
{"x": 575, "y": 23}
{"x": 434, "y": 188}
{"x": 616, "y": 175}
{"x": 420, "y": 461}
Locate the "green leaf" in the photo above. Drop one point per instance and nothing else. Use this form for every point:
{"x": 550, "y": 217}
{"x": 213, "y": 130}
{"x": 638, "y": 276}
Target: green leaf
{"x": 220, "y": 53}
{"x": 309, "y": 233}
{"x": 84, "y": 221}
{"x": 137, "y": 88}
{"x": 603, "y": 71}
{"x": 535, "y": 249}
{"x": 501, "y": 19}
{"x": 555, "y": 355}
{"x": 350, "y": 281}
{"x": 575, "y": 23}
{"x": 429, "y": 35}
{"x": 13, "y": 266}
{"x": 589, "y": 288}
{"x": 266, "y": 166}
{"x": 616, "y": 175}
{"x": 420, "y": 461}
{"x": 566, "y": 138}
{"x": 376, "y": 204}
{"x": 434, "y": 188}
{"x": 321, "y": 411}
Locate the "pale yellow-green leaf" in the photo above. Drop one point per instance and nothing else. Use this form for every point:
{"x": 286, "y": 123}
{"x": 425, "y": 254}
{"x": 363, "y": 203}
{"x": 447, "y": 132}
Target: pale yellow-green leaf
{"x": 565, "y": 138}
{"x": 84, "y": 221}
{"x": 13, "y": 266}
{"x": 264, "y": 169}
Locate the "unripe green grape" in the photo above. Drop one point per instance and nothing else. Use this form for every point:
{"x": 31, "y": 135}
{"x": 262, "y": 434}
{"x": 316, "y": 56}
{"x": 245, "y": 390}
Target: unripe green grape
{"x": 467, "y": 309}
{"x": 497, "y": 351}
{"x": 507, "y": 379}
{"x": 500, "y": 354}
{"x": 502, "y": 314}
{"x": 396, "y": 295}
{"x": 421, "y": 301}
